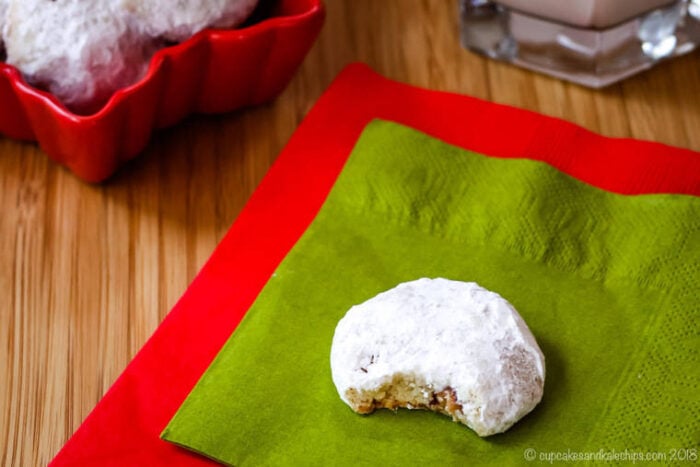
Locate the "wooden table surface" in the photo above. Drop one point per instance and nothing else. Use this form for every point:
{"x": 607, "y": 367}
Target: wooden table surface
{"x": 87, "y": 272}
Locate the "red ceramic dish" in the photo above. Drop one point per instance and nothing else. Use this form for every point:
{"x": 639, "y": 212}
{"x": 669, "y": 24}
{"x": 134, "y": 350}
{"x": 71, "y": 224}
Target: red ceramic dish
{"x": 213, "y": 72}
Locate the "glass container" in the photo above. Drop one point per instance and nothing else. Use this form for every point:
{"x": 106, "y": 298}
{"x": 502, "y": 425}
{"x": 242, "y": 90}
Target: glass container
{"x": 590, "y": 42}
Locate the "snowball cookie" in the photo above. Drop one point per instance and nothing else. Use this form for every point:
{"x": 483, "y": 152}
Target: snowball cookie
{"x": 79, "y": 50}
{"x": 447, "y": 346}
{"x": 3, "y": 10}
{"x": 177, "y": 20}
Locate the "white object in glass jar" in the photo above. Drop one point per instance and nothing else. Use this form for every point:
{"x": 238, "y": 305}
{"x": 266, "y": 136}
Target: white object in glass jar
{"x": 586, "y": 13}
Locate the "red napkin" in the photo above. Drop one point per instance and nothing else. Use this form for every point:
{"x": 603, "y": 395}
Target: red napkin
{"x": 124, "y": 427}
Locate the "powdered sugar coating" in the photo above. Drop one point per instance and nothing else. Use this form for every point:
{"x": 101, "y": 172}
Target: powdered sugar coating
{"x": 446, "y": 335}
{"x": 177, "y": 20}
{"x": 3, "y": 11}
{"x": 81, "y": 51}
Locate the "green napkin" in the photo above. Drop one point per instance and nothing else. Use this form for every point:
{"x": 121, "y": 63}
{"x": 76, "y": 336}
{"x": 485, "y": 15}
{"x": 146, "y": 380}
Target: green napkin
{"x": 607, "y": 283}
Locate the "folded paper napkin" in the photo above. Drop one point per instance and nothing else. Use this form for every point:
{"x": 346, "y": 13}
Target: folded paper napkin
{"x": 606, "y": 282}
{"x": 124, "y": 427}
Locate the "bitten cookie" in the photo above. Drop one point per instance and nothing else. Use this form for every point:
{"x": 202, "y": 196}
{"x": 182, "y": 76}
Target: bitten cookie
{"x": 442, "y": 345}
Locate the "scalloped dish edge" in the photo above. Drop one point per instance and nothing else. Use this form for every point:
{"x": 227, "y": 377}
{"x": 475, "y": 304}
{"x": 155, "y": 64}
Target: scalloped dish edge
{"x": 82, "y": 142}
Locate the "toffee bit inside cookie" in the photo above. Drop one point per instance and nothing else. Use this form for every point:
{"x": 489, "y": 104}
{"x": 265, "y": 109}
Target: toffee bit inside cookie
{"x": 405, "y": 392}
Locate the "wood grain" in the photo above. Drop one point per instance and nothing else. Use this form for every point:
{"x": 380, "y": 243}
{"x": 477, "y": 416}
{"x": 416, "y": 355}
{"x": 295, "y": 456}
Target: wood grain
{"x": 87, "y": 272}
